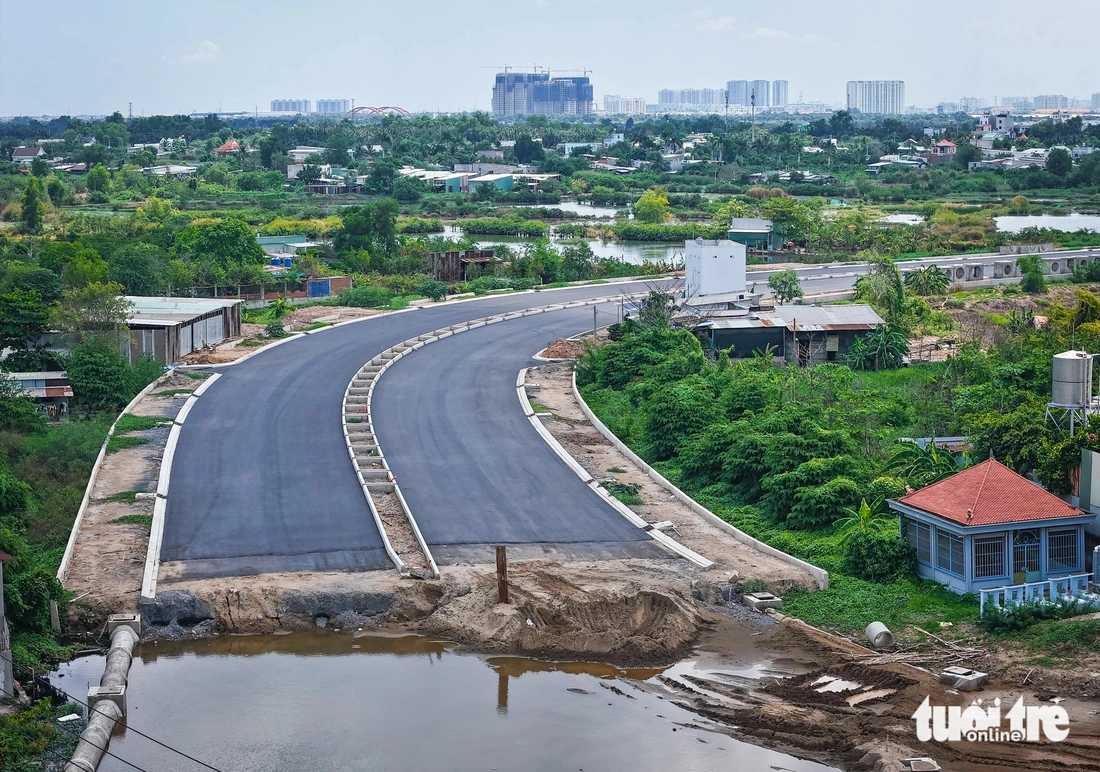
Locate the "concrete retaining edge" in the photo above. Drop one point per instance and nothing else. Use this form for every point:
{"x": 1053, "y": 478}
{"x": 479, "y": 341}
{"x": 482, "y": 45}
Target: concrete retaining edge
{"x": 160, "y": 505}
{"x": 63, "y": 569}
{"x": 383, "y": 363}
{"x": 820, "y": 575}
{"x": 390, "y": 551}
{"x": 634, "y": 518}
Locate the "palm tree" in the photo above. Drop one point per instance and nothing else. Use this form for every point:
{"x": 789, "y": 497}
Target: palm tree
{"x": 866, "y": 519}
{"x": 923, "y": 466}
{"x": 884, "y": 348}
{"x": 926, "y": 281}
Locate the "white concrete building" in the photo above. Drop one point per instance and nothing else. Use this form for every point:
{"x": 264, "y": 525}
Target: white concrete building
{"x": 714, "y": 268}
{"x": 613, "y": 104}
{"x": 876, "y": 97}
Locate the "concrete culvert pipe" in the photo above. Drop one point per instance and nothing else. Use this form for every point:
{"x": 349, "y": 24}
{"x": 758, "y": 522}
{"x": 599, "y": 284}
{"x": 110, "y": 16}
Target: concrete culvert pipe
{"x": 119, "y": 657}
{"x": 879, "y": 635}
{"x": 93, "y": 740}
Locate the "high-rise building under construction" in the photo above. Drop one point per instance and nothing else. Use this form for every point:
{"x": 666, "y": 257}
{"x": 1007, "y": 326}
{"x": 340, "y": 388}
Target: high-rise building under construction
{"x": 537, "y": 93}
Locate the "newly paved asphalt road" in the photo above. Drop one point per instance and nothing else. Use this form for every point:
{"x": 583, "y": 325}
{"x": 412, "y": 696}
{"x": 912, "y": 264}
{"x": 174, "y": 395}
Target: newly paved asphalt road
{"x": 473, "y": 470}
{"x": 262, "y": 481}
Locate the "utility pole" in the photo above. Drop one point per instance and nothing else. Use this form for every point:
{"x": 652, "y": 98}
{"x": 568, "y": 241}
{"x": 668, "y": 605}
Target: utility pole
{"x": 752, "y": 101}
{"x": 593, "y": 325}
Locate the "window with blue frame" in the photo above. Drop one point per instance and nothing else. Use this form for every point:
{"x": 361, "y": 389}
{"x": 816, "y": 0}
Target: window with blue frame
{"x": 1062, "y": 551}
{"x": 949, "y": 553}
{"x": 989, "y": 557}
{"x": 919, "y": 536}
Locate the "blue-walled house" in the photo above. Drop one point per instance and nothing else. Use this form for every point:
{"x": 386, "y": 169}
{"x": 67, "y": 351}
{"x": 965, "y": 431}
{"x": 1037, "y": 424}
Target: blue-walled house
{"x": 989, "y": 531}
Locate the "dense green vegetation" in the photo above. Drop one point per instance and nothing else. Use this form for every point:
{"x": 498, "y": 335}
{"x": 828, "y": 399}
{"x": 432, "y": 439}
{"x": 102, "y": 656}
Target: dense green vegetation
{"x": 802, "y": 458}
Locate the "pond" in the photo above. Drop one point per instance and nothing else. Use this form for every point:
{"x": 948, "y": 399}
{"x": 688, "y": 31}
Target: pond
{"x": 1059, "y": 222}
{"x": 580, "y": 209}
{"x": 327, "y": 701}
{"x": 636, "y": 252}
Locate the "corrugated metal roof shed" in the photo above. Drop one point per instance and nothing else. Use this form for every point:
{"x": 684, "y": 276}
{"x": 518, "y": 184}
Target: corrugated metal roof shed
{"x": 750, "y": 225}
{"x": 807, "y": 318}
{"x": 171, "y": 311}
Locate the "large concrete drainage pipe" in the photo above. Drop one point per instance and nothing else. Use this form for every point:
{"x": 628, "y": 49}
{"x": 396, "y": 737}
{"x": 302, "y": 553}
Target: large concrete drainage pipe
{"x": 93, "y": 740}
{"x": 107, "y": 702}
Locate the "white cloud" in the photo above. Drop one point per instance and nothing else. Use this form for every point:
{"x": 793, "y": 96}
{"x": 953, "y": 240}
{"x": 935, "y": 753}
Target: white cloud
{"x": 206, "y": 53}
{"x": 708, "y": 22}
{"x": 767, "y": 33}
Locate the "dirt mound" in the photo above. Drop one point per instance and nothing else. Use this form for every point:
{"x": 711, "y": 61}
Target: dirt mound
{"x": 563, "y": 348}
{"x": 552, "y": 618}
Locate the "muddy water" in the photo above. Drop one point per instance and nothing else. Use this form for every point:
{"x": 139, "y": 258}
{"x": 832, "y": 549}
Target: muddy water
{"x": 325, "y": 701}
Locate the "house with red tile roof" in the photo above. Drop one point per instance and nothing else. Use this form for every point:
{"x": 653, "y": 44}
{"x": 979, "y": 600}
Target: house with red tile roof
{"x": 229, "y": 147}
{"x": 987, "y": 528}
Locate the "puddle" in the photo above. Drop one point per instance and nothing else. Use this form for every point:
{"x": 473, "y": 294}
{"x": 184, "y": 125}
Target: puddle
{"x": 312, "y": 701}
{"x": 834, "y": 684}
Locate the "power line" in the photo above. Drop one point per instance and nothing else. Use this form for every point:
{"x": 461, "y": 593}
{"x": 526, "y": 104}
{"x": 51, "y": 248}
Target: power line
{"x": 66, "y": 759}
{"x": 142, "y": 734}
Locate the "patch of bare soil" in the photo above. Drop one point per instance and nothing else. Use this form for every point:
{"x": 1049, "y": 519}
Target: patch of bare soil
{"x": 809, "y": 696}
{"x": 307, "y": 317}
{"x": 564, "y": 348}
{"x": 108, "y": 559}
{"x": 398, "y": 531}
{"x": 621, "y": 612}
{"x": 551, "y": 385}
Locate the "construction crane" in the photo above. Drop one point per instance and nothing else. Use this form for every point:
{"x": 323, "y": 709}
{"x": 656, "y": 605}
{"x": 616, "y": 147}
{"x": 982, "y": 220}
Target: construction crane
{"x": 505, "y": 68}
{"x": 582, "y": 70}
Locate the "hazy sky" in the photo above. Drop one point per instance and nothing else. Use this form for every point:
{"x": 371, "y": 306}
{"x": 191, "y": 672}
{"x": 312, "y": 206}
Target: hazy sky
{"x": 59, "y": 56}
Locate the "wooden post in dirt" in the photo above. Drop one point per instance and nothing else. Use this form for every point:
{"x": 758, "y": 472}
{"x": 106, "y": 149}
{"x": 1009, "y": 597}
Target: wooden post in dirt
{"x": 502, "y": 574}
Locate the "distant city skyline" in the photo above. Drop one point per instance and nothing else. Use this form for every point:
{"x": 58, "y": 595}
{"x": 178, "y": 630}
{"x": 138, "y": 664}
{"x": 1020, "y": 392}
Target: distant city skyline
{"x": 167, "y": 64}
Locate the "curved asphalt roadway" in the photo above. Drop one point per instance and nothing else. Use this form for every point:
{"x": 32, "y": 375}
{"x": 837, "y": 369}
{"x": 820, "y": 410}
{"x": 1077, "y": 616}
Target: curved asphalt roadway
{"x": 261, "y": 480}
{"x": 473, "y": 470}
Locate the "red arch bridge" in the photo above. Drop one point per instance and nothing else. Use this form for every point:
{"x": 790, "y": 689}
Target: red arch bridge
{"x": 380, "y": 110}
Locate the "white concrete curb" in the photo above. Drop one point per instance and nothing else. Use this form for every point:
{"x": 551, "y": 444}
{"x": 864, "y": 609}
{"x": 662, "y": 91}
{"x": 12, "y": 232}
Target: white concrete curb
{"x": 594, "y": 484}
{"x": 820, "y": 575}
{"x": 160, "y": 506}
{"x": 63, "y": 569}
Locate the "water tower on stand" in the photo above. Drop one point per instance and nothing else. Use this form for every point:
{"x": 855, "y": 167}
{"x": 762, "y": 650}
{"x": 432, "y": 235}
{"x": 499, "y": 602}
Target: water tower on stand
{"x": 1071, "y": 396}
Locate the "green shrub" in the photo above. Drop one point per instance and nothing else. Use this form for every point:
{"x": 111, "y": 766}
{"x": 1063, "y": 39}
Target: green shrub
{"x": 275, "y": 329}
{"x": 1020, "y": 616}
{"x": 878, "y": 557}
{"x": 627, "y": 493}
{"x": 484, "y": 284}
{"x": 128, "y": 422}
{"x": 365, "y": 297}
{"x": 885, "y": 488}
{"x": 436, "y": 290}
